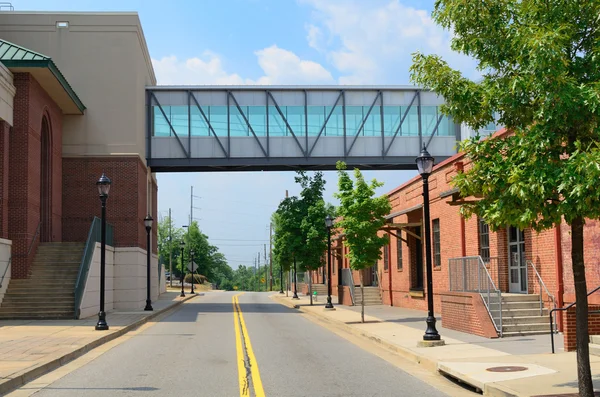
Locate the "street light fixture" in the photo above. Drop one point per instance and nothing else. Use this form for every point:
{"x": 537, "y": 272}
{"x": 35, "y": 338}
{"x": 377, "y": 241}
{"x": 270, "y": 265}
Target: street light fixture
{"x": 148, "y": 223}
{"x": 192, "y": 270}
{"x": 329, "y": 225}
{"x": 425, "y": 165}
{"x": 103, "y": 185}
{"x": 182, "y": 245}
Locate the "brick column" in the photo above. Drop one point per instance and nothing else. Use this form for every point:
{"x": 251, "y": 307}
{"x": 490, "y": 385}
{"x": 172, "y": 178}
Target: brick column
{"x": 4, "y": 131}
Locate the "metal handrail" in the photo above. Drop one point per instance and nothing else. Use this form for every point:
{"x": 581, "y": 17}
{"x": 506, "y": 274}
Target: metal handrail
{"x": 352, "y": 287}
{"x": 484, "y": 291}
{"x": 94, "y": 236}
{"x": 542, "y": 284}
{"x": 37, "y": 232}
{"x": 562, "y": 309}
{"x": 5, "y": 270}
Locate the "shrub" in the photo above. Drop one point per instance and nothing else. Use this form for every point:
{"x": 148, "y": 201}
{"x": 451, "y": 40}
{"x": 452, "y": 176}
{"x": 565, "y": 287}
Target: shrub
{"x": 198, "y": 278}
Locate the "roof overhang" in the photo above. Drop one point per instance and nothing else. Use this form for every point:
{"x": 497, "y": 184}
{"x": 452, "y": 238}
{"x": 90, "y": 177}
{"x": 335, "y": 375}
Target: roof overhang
{"x": 52, "y": 81}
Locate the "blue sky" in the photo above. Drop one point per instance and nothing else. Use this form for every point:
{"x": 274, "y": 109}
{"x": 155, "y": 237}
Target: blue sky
{"x": 270, "y": 42}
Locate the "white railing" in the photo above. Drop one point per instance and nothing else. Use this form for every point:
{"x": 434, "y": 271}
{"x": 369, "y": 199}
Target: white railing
{"x": 469, "y": 274}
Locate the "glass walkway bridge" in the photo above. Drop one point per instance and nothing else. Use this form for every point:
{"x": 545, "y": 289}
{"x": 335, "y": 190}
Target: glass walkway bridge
{"x": 253, "y": 128}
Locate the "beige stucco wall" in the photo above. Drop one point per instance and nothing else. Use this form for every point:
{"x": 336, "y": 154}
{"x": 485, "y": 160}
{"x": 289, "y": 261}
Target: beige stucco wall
{"x": 7, "y": 95}
{"x": 105, "y": 58}
{"x": 125, "y": 281}
{"x": 5, "y": 249}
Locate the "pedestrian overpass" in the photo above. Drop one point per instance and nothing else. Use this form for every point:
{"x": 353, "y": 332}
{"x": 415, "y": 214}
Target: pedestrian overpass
{"x": 251, "y": 128}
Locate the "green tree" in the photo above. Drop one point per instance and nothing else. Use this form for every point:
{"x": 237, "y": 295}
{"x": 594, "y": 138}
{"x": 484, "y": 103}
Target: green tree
{"x": 166, "y": 246}
{"x": 361, "y": 216}
{"x": 288, "y": 234}
{"x": 312, "y": 225}
{"x": 541, "y": 77}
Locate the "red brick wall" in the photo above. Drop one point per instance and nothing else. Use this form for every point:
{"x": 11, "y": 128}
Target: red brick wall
{"x": 465, "y": 312}
{"x": 4, "y": 165}
{"x": 126, "y": 205}
{"x": 591, "y": 234}
{"x": 344, "y": 296}
{"x": 570, "y": 327}
{"x": 31, "y": 105}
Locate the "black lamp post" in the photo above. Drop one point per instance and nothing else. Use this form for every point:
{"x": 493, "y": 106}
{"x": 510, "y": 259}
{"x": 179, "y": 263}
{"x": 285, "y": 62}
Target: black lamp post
{"x": 328, "y": 225}
{"x": 182, "y": 245}
{"x": 103, "y": 185}
{"x": 192, "y": 270}
{"x": 425, "y": 165}
{"x": 148, "y": 223}
{"x": 295, "y": 296}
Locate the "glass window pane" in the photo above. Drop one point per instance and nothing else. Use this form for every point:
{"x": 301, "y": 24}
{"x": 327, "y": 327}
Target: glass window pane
{"x": 386, "y": 257}
{"x": 411, "y": 122}
{"x": 277, "y": 126}
{"x": 391, "y": 119}
{"x": 316, "y": 118}
{"x": 257, "y": 115}
{"x": 373, "y": 124}
{"x": 399, "y": 251}
{"x": 295, "y": 118}
{"x": 238, "y": 126}
{"x": 354, "y": 117}
{"x": 335, "y": 125}
{"x": 198, "y": 123}
{"x": 218, "y": 119}
{"x": 437, "y": 258}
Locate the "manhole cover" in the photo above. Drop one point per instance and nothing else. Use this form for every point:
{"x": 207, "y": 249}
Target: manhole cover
{"x": 507, "y": 369}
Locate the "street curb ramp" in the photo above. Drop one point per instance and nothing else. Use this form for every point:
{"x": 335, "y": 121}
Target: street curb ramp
{"x": 23, "y": 377}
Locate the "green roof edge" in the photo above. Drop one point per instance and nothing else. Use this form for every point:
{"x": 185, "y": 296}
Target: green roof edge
{"x": 48, "y": 63}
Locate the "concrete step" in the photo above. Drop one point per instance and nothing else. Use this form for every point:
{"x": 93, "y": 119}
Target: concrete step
{"x": 525, "y": 333}
{"x": 516, "y": 305}
{"x": 519, "y": 313}
{"x": 520, "y": 297}
{"x": 38, "y": 299}
{"x": 525, "y": 320}
{"x": 54, "y": 294}
{"x": 26, "y": 305}
{"x": 48, "y": 315}
{"x": 595, "y": 339}
{"x": 536, "y": 327}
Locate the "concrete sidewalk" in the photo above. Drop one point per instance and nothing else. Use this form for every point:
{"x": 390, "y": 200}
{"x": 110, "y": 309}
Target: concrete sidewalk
{"x": 464, "y": 357}
{"x": 30, "y": 348}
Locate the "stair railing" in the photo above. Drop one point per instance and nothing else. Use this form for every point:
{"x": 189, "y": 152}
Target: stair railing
{"x": 5, "y": 270}
{"x": 469, "y": 274}
{"x": 348, "y": 281}
{"x": 37, "y": 232}
{"x": 542, "y": 285}
{"x": 94, "y": 236}
{"x": 562, "y": 309}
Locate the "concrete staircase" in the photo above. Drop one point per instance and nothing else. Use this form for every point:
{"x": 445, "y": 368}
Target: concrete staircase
{"x": 49, "y": 292}
{"x": 521, "y": 315}
{"x": 372, "y": 296}
{"x": 321, "y": 290}
{"x": 595, "y": 345}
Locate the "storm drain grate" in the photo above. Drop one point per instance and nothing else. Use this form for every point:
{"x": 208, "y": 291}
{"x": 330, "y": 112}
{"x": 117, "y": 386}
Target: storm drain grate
{"x": 508, "y": 368}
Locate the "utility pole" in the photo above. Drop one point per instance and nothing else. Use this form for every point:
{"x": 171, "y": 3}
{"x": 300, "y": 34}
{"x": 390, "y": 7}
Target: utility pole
{"x": 170, "y": 250}
{"x": 271, "y": 254}
{"x": 255, "y": 276}
{"x": 259, "y": 271}
{"x": 266, "y": 268}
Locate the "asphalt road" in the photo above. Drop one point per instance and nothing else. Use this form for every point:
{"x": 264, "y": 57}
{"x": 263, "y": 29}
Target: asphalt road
{"x": 195, "y": 352}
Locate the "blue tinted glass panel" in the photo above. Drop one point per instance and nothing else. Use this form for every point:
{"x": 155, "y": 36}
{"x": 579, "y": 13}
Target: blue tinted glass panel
{"x": 176, "y": 115}
{"x": 295, "y": 118}
{"x": 161, "y": 127}
{"x": 218, "y": 119}
{"x": 354, "y": 117}
{"x": 335, "y": 125}
{"x": 372, "y": 125}
{"x": 391, "y": 119}
{"x": 430, "y": 115}
{"x": 257, "y": 115}
{"x": 410, "y": 127}
{"x": 277, "y": 126}
{"x": 238, "y": 126}
{"x": 316, "y": 118}
{"x": 198, "y": 123}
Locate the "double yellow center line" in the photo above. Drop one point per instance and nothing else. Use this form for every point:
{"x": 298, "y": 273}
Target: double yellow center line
{"x": 246, "y": 361}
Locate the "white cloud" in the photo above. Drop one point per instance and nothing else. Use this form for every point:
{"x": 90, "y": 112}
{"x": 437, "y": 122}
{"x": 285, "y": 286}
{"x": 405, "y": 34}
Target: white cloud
{"x": 372, "y": 42}
{"x": 279, "y": 66}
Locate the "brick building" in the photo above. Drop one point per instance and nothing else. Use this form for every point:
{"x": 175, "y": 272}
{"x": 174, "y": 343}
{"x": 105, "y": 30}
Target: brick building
{"x": 53, "y": 149}
{"x": 512, "y": 258}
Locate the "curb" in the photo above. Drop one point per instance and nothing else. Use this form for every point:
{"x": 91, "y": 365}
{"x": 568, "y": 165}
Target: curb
{"x": 490, "y": 389}
{"x": 27, "y": 376}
